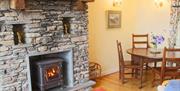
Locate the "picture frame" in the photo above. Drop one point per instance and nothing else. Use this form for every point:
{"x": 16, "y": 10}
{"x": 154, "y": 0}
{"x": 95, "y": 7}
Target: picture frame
{"x": 114, "y": 19}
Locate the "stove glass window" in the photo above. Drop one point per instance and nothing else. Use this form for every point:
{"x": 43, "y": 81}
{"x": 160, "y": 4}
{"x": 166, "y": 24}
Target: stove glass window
{"x": 52, "y": 72}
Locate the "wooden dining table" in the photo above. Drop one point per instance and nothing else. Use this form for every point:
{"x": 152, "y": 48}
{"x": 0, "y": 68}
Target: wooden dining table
{"x": 146, "y": 54}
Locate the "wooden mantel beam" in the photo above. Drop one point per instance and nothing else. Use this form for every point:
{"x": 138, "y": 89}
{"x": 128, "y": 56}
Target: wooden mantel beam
{"x": 17, "y": 4}
{"x": 87, "y": 0}
{"x": 20, "y": 4}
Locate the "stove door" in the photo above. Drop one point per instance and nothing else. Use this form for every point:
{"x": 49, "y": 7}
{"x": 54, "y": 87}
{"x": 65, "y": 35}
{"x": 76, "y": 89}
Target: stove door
{"x": 52, "y": 72}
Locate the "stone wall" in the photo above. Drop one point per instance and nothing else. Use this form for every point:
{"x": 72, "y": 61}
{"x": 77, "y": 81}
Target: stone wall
{"x": 174, "y": 21}
{"x": 43, "y": 28}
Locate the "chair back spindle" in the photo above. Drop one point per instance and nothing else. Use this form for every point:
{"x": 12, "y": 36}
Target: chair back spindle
{"x": 140, "y": 41}
{"x": 120, "y": 53}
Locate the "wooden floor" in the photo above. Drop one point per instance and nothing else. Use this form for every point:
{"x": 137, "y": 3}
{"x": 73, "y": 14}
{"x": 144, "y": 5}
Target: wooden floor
{"x": 112, "y": 83}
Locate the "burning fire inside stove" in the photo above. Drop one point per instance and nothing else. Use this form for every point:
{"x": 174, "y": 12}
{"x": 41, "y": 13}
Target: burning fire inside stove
{"x": 52, "y": 72}
{"x": 47, "y": 73}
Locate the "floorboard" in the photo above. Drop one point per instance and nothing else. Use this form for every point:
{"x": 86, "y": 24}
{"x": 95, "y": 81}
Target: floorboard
{"x": 112, "y": 83}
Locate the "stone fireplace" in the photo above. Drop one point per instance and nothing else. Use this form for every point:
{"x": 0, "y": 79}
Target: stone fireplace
{"x": 44, "y": 27}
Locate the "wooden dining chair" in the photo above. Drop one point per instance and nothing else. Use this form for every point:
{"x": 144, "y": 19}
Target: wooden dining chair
{"x": 140, "y": 41}
{"x": 169, "y": 56}
{"x": 123, "y": 66}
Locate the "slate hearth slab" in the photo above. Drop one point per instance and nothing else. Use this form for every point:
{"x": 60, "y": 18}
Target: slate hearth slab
{"x": 80, "y": 86}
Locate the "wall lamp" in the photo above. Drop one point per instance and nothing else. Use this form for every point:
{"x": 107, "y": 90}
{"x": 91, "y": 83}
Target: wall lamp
{"x": 117, "y": 3}
{"x": 160, "y": 3}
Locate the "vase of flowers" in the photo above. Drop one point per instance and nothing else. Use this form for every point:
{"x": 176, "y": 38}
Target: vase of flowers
{"x": 156, "y": 41}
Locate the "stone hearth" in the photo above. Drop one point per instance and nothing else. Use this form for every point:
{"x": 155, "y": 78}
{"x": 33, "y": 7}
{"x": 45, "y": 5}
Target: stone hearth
{"x": 43, "y": 33}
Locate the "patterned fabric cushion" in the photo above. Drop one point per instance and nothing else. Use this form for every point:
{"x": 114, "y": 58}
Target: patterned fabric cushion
{"x": 173, "y": 85}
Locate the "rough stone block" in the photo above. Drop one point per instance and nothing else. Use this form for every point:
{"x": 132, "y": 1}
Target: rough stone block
{"x": 51, "y": 28}
{"x": 33, "y": 25}
{"x": 77, "y": 39}
{"x": 31, "y": 35}
{"x": 54, "y": 49}
{"x": 6, "y": 33}
{"x": 48, "y": 34}
{"x": 11, "y": 14}
{"x": 5, "y": 53}
{"x": 37, "y": 15}
{"x": 59, "y": 27}
{"x": 36, "y": 30}
{"x": 42, "y": 48}
{"x": 19, "y": 50}
{"x": 43, "y": 40}
{"x": 9, "y": 37}
{"x": 8, "y": 18}
{"x": 30, "y": 40}
{"x": 4, "y": 5}
{"x": 10, "y": 88}
{"x": 4, "y": 48}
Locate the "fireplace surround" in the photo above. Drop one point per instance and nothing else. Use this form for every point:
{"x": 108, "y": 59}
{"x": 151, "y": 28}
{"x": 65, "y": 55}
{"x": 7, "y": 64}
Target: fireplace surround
{"x": 42, "y": 23}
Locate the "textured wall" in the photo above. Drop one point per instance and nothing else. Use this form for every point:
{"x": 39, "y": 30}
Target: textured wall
{"x": 174, "y": 21}
{"x": 43, "y": 28}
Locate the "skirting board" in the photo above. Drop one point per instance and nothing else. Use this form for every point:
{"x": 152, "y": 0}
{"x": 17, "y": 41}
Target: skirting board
{"x": 109, "y": 71}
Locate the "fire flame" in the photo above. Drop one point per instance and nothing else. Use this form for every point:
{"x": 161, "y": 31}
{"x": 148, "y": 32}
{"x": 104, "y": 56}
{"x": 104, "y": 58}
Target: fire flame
{"x": 51, "y": 72}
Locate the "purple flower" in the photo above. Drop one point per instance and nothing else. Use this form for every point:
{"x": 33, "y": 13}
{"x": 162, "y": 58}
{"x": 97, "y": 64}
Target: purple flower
{"x": 157, "y": 39}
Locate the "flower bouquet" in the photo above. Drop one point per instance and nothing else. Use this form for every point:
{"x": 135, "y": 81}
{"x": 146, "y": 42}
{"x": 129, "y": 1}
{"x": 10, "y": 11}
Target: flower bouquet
{"x": 156, "y": 40}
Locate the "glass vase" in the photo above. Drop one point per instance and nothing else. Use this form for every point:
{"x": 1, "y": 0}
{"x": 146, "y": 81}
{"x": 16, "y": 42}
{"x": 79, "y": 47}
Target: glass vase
{"x": 155, "y": 50}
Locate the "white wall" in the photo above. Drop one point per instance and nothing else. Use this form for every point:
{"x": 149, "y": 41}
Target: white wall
{"x": 138, "y": 16}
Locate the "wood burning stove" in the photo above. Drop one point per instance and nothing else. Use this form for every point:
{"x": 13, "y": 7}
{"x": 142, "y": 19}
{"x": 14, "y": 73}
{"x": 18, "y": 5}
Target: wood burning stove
{"x": 47, "y": 73}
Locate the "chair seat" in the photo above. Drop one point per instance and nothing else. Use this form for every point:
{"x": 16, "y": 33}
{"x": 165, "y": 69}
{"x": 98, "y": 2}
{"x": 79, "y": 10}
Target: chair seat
{"x": 151, "y": 60}
{"x": 168, "y": 72}
{"x": 129, "y": 65}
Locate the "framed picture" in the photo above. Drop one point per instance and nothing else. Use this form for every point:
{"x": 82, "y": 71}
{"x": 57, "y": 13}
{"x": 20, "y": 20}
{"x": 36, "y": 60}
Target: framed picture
{"x": 114, "y": 19}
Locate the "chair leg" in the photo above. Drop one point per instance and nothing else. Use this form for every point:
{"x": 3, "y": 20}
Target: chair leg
{"x": 120, "y": 73}
{"x": 155, "y": 64}
{"x": 122, "y": 76}
{"x": 141, "y": 77}
{"x": 161, "y": 79}
{"x": 133, "y": 70}
{"x": 141, "y": 73}
{"x": 136, "y": 73}
{"x": 146, "y": 66}
{"x": 133, "y": 58}
{"x": 154, "y": 77}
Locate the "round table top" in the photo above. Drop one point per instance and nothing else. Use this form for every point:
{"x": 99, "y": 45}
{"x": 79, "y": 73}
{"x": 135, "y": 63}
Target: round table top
{"x": 146, "y": 53}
